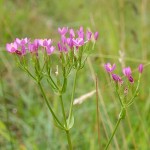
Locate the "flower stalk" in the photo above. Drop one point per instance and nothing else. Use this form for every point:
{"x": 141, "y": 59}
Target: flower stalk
{"x": 65, "y": 121}
{"x": 49, "y": 107}
{"x": 114, "y": 131}
{"x": 72, "y": 96}
{"x": 120, "y": 84}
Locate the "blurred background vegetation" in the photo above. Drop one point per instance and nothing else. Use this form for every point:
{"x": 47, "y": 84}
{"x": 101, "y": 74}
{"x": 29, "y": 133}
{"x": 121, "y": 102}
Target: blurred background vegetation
{"x": 25, "y": 122}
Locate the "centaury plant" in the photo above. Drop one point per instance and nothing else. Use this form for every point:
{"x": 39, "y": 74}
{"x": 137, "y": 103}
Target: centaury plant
{"x": 127, "y": 90}
{"x": 35, "y": 58}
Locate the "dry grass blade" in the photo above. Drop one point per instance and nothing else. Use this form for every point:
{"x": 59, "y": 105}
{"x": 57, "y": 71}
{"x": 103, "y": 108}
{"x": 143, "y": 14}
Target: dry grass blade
{"x": 83, "y": 98}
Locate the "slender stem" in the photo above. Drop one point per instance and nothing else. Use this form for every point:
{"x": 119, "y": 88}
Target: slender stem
{"x": 53, "y": 82}
{"x": 69, "y": 140}
{"x": 63, "y": 110}
{"x": 119, "y": 98}
{"x": 117, "y": 124}
{"x": 45, "y": 98}
{"x": 97, "y": 112}
{"x": 135, "y": 93}
{"x": 67, "y": 131}
{"x": 30, "y": 74}
{"x": 72, "y": 96}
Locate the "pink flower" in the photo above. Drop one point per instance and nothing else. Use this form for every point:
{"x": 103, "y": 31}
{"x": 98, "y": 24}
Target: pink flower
{"x": 70, "y": 42}
{"x": 117, "y": 78}
{"x": 45, "y": 42}
{"x": 50, "y": 50}
{"x": 78, "y": 42}
{"x": 33, "y": 47}
{"x": 88, "y": 35}
{"x": 109, "y": 67}
{"x": 140, "y": 68}
{"x": 63, "y": 31}
{"x": 63, "y": 39}
{"x": 127, "y": 71}
{"x": 61, "y": 47}
{"x": 96, "y": 35}
{"x": 80, "y": 33}
{"x": 72, "y": 34}
{"x": 22, "y": 41}
{"x": 12, "y": 47}
{"x": 81, "y": 29}
{"x": 22, "y": 45}
{"x": 130, "y": 78}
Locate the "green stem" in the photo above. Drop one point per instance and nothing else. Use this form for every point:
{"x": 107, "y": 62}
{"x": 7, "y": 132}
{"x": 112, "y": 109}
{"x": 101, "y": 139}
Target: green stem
{"x": 53, "y": 82}
{"x": 117, "y": 124}
{"x": 30, "y": 74}
{"x": 67, "y": 131}
{"x": 72, "y": 96}
{"x": 135, "y": 93}
{"x": 119, "y": 95}
{"x": 119, "y": 98}
{"x": 63, "y": 110}
{"x": 45, "y": 98}
{"x": 69, "y": 140}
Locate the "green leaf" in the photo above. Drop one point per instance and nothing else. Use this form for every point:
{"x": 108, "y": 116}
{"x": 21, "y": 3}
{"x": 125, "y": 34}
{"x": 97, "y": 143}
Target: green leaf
{"x": 70, "y": 122}
{"x": 64, "y": 85}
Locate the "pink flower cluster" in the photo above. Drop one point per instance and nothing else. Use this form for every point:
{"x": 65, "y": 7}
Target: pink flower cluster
{"x": 126, "y": 71}
{"x": 70, "y": 38}
{"x": 25, "y": 45}
{"x": 20, "y": 46}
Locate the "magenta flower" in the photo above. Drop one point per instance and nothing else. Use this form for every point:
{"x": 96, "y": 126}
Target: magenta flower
{"x": 109, "y": 67}
{"x": 117, "y": 78}
{"x": 12, "y": 47}
{"x": 80, "y": 33}
{"x": 80, "y": 29}
{"x": 62, "y": 47}
{"x": 23, "y": 50}
{"x": 22, "y": 41}
{"x": 72, "y": 34}
{"x": 45, "y": 42}
{"x": 22, "y": 45}
{"x": 59, "y": 46}
{"x": 127, "y": 71}
{"x": 78, "y": 42}
{"x": 33, "y": 47}
{"x": 140, "y": 68}
{"x": 50, "y": 50}
{"x": 88, "y": 35}
{"x": 70, "y": 42}
{"x": 96, "y": 35}
{"x": 130, "y": 78}
{"x": 63, "y": 39}
{"x": 63, "y": 31}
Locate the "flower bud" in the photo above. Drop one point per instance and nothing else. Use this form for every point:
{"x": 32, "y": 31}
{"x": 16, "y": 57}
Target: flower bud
{"x": 140, "y": 68}
{"x": 96, "y": 35}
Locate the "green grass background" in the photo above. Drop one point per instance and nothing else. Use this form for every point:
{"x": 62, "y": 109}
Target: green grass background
{"x": 123, "y": 26}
